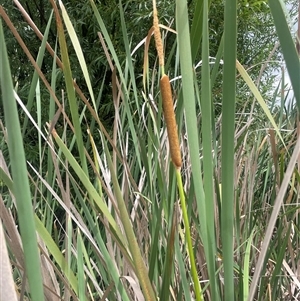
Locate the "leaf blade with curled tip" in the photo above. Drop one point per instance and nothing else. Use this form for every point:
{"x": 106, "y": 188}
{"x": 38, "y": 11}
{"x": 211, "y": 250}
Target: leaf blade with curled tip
{"x": 258, "y": 96}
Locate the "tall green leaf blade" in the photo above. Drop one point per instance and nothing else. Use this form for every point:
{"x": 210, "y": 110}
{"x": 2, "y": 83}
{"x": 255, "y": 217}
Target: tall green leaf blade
{"x": 182, "y": 271}
{"x": 128, "y": 55}
{"x": 206, "y": 107}
{"x": 70, "y": 90}
{"x": 20, "y": 179}
{"x": 39, "y": 62}
{"x": 80, "y": 268}
{"x": 227, "y": 149}
{"x": 189, "y": 107}
{"x": 79, "y": 53}
{"x": 184, "y": 43}
{"x": 246, "y": 269}
{"x": 196, "y": 29}
{"x": 288, "y": 46}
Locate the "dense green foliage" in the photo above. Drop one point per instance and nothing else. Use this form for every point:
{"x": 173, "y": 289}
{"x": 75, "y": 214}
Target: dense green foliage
{"x": 256, "y": 38}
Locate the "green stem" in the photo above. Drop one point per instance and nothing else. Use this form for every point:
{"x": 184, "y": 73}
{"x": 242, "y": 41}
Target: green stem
{"x": 162, "y": 70}
{"x": 197, "y": 287}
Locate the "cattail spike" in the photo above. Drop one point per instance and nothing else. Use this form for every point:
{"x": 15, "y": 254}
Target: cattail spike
{"x": 167, "y": 102}
{"x": 157, "y": 36}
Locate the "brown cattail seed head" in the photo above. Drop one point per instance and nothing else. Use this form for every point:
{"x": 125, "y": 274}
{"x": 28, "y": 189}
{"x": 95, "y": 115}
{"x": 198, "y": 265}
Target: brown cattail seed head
{"x": 157, "y": 37}
{"x": 167, "y": 102}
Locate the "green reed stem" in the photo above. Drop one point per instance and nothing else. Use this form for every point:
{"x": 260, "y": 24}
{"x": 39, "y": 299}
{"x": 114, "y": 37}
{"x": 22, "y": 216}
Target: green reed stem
{"x": 197, "y": 287}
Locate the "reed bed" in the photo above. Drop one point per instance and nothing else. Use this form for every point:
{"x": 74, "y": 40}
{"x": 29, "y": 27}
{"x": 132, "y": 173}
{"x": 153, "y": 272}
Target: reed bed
{"x": 186, "y": 195}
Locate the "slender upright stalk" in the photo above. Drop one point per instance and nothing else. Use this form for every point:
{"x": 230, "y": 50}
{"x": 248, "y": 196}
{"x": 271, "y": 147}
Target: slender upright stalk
{"x": 170, "y": 120}
{"x": 228, "y": 113}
